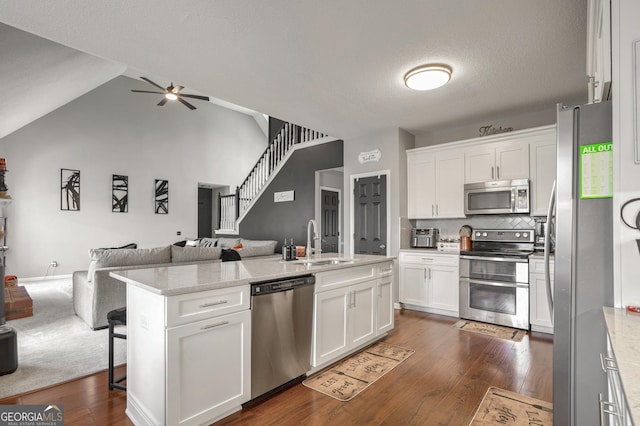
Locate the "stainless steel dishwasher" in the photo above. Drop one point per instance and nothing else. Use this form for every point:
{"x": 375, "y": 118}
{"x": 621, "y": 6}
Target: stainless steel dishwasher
{"x": 281, "y": 325}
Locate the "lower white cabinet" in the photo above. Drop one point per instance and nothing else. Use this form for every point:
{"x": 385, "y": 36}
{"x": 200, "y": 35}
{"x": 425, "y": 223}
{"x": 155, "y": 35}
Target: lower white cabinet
{"x": 350, "y": 311}
{"x": 429, "y": 281}
{"x": 539, "y": 314}
{"x": 182, "y": 372}
{"x": 385, "y": 315}
{"x": 613, "y": 406}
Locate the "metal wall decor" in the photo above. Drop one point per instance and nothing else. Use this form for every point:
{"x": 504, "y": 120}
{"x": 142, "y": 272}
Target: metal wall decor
{"x": 119, "y": 193}
{"x": 162, "y": 196}
{"x": 69, "y": 189}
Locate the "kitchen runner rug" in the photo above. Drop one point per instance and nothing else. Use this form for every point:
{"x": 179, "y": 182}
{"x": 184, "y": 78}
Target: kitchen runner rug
{"x": 348, "y": 378}
{"x": 501, "y": 407}
{"x": 491, "y": 330}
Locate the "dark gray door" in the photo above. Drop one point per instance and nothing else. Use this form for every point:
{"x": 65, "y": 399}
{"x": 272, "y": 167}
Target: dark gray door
{"x": 205, "y": 212}
{"x": 330, "y": 223}
{"x": 370, "y": 215}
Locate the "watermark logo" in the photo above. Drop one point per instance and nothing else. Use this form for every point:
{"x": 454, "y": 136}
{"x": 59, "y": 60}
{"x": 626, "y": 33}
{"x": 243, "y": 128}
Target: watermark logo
{"x": 31, "y": 415}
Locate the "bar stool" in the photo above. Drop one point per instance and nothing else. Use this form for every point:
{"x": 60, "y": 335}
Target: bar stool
{"x": 116, "y": 317}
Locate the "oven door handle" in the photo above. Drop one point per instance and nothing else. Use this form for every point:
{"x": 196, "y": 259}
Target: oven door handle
{"x": 494, "y": 259}
{"x": 494, "y": 283}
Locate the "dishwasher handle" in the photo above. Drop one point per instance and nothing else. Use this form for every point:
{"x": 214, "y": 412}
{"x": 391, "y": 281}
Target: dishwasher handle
{"x": 274, "y": 286}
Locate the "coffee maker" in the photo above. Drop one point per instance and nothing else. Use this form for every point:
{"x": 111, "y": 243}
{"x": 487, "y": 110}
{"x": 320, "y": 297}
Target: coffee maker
{"x": 541, "y": 227}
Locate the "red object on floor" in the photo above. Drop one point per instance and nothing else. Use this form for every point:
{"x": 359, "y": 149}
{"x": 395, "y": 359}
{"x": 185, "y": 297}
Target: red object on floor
{"x": 10, "y": 281}
{"x": 17, "y": 303}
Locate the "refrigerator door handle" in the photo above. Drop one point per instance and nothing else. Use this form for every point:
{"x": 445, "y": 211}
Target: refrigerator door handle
{"x": 547, "y": 249}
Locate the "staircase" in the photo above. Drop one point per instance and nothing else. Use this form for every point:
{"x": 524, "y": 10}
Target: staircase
{"x": 233, "y": 206}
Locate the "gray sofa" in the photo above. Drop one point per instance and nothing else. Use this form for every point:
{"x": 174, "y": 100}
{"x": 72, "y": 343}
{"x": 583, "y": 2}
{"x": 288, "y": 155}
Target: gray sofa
{"x": 95, "y": 293}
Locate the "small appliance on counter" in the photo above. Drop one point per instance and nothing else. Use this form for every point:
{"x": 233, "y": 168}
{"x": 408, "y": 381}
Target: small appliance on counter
{"x": 449, "y": 246}
{"x": 424, "y": 237}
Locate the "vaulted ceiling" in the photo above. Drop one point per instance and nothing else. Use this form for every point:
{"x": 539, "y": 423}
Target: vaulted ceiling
{"x": 334, "y": 65}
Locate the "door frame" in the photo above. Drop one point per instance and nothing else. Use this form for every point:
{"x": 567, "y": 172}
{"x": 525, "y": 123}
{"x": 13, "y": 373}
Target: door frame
{"x": 352, "y": 179}
{"x": 318, "y": 214}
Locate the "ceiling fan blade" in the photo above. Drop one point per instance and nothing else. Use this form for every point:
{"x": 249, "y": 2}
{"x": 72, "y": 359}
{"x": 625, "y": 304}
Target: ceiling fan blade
{"x": 177, "y": 89}
{"x": 202, "y": 98}
{"x": 185, "y": 103}
{"x": 146, "y": 91}
{"x": 155, "y": 84}
{"x": 163, "y": 101}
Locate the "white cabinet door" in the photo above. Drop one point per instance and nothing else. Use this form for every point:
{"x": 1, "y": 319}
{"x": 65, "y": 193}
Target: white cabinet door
{"x": 414, "y": 289}
{"x": 539, "y": 314}
{"x": 512, "y": 161}
{"x": 444, "y": 288}
{"x": 421, "y": 193}
{"x": 331, "y": 325}
{"x": 499, "y": 161}
{"x": 208, "y": 368}
{"x": 450, "y": 184}
{"x": 362, "y": 313}
{"x": 479, "y": 165}
{"x": 542, "y": 163}
{"x": 385, "y": 304}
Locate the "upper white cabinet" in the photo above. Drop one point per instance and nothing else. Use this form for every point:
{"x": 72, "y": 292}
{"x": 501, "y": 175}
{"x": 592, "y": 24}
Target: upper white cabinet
{"x": 502, "y": 161}
{"x": 599, "y": 50}
{"x": 436, "y": 175}
{"x": 435, "y": 184}
{"x": 542, "y": 165}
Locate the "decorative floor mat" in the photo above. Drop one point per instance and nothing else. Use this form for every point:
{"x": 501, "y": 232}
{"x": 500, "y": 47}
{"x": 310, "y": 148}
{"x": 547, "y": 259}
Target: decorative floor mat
{"x": 347, "y": 379}
{"x": 502, "y": 407}
{"x": 491, "y": 330}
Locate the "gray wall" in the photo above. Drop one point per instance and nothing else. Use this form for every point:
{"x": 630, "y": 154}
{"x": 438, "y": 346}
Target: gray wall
{"x": 277, "y": 221}
{"x": 113, "y": 131}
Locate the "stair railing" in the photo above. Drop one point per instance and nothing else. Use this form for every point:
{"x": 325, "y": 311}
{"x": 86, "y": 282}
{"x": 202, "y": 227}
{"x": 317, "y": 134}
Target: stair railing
{"x": 232, "y": 206}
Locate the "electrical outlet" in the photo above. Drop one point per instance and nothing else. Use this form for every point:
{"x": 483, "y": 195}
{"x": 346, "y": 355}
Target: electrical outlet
{"x": 54, "y": 263}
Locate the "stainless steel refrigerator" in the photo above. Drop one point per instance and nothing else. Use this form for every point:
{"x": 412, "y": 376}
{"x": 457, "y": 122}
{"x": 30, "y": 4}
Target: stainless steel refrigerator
{"x": 583, "y": 278}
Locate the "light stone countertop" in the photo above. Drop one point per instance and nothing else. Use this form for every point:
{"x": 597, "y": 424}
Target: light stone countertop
{"x": 181, "y": 279}
{"x": 624, "y": 333}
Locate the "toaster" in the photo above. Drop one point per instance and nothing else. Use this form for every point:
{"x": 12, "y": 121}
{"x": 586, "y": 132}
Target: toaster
{"x": 424, "y": 237}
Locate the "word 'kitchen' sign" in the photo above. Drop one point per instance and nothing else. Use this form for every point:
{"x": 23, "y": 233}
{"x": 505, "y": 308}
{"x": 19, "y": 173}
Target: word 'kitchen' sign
{"x": 366, "y": 157}
{"x": 490, "y": 130}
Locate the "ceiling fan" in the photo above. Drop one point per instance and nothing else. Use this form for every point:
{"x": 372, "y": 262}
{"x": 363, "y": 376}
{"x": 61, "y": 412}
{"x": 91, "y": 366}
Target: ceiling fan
{"x": 172, "y": 93}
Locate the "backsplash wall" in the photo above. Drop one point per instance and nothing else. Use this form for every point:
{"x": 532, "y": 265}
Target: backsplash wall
{"x": 450, "y": 228}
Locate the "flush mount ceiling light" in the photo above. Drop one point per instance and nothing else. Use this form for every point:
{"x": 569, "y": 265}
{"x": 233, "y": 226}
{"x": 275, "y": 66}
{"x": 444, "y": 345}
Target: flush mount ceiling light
{"x": 427, "y": 77}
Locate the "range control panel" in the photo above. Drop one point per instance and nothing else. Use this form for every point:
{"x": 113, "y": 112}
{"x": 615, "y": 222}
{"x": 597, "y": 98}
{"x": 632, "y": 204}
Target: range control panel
{"x": 504, "y": 235}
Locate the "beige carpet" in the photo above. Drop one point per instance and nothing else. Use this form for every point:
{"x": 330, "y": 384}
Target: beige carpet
{"x": 348, "y": 378}
{"x": 502, "y": 407}
{"x": 491, "y": 330}
{"x": 54, "y": 345}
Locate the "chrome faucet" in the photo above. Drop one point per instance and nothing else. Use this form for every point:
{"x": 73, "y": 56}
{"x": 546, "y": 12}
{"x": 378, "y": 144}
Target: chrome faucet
{"x": 310, "y": 224}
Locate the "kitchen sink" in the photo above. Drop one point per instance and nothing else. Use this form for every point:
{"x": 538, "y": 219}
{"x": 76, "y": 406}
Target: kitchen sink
{"x": 325, "y": 261}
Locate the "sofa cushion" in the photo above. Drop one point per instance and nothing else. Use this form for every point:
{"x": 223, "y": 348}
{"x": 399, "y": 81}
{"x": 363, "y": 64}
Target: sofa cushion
{"x": 227, "y": 243}
{"x": 101, "y": 258}
{"x": 194, "y": 254}
{"x": 256, "y": 251}
{"x": 259, "y": 243}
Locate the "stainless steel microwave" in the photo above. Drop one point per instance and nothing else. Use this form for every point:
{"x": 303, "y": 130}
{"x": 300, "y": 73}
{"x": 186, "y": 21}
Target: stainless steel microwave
{"x": 497, "y": 197}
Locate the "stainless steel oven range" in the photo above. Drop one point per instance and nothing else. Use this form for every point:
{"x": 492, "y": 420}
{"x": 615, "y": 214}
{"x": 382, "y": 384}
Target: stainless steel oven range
{"x": 494, "y": 277}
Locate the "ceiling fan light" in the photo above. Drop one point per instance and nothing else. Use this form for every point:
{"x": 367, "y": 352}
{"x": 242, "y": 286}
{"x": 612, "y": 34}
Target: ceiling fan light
{"x": 427, "y": 77}
{"x": 171, "y": 96}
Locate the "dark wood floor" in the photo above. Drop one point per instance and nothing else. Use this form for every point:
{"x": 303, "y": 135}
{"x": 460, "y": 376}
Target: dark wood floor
{"x": 441, "y": 384}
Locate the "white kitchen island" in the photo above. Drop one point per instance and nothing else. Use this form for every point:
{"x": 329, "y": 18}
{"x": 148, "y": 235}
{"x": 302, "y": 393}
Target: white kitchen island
{"x": 189, "y": 332}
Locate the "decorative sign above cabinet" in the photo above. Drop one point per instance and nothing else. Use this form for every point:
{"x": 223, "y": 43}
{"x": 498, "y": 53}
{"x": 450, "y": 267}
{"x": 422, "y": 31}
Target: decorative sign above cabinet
{"x": 490, "y": 130}
{"x": 283, "y": 196}
{"x": 366, "y": 157}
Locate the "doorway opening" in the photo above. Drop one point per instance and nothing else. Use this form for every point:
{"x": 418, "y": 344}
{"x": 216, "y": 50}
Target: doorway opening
{"x": 209, "y": 208}
{"x": 328, "y": 210}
